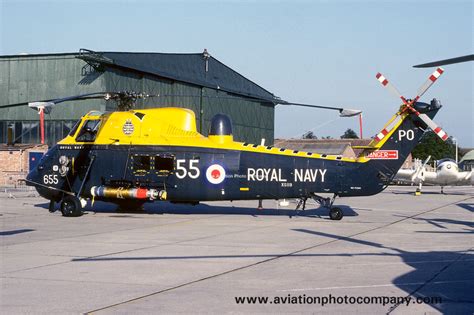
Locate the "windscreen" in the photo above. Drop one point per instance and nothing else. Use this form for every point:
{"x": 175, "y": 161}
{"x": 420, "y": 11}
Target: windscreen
{"x": 88, "y": 131}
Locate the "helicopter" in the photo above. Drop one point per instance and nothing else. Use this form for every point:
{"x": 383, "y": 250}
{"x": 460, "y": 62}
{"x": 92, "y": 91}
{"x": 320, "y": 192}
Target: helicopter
{"x": 132, "y": 156}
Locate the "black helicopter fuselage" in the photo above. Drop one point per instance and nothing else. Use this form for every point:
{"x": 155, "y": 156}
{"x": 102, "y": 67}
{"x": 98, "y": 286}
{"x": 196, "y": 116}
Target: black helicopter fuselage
{"x": 193, "y": 173}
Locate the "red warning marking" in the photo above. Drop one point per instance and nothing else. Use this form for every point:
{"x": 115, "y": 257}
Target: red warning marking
{"x": 141, "y": 193}
{"x": 383, "y": 155}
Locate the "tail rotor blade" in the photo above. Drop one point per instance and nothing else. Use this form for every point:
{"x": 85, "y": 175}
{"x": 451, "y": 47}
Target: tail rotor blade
{"x": 433, "y": 126}
{"x": 390, "y": 87}
{"x": 432, "y": 79}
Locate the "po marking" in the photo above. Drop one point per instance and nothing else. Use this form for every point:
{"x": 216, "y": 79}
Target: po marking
{"x": 409, "y": 134}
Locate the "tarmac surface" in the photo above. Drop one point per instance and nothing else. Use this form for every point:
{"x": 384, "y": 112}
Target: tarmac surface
{"x": 199, "y": 259}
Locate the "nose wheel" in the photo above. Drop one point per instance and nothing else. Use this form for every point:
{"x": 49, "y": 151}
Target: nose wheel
{"x": 71, "y": 206}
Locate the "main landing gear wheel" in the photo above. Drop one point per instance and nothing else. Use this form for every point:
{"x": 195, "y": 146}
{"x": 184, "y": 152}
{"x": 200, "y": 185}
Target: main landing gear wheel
{"x": 71, "y": 207}
{"x": 336, "y": 214}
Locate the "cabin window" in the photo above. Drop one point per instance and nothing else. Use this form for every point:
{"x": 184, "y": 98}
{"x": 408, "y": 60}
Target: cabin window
{"x": 141, "y": 164}
{"x": 88, "y": 131}
{"x": 164, "y": 164}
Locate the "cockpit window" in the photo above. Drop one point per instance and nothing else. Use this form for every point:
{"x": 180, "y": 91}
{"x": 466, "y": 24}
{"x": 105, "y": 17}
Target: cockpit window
{"x": 88, "y": 131}
{"x": 74, "y": 129}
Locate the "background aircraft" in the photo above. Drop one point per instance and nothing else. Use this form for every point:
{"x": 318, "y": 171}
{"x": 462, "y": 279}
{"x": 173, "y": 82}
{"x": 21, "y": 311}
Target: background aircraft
{"x": 446, "y": 174}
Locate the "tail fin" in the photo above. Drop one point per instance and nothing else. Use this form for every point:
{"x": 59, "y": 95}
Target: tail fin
{"x": 391, "y": 147}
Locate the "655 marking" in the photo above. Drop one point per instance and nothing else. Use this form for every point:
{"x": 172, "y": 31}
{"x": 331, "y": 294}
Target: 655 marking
{"x": 50, "y": 179}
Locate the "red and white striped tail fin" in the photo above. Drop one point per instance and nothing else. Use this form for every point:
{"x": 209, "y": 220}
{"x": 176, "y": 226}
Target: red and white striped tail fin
{"x": 432, "y": 79}
{"x": 393, "y": 123}
{"x": 390, "y": 87}
{"x": 381, "y": 134}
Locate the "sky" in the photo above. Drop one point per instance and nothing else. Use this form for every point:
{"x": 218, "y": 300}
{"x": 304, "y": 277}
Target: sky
{"x": 318, "y": 52}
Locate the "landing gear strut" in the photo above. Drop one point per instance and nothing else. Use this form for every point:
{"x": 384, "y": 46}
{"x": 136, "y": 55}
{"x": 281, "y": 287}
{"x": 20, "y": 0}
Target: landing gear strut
{"x": 71, "y": 205}
{"x": 335, "y": 213}
{"x": 301, "y": 203}
{"x": 52, "y": 206}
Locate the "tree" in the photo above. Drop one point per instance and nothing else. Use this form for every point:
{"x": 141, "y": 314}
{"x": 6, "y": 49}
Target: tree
{"x": 349, "y": 134}
{"x": 432, "y": 145}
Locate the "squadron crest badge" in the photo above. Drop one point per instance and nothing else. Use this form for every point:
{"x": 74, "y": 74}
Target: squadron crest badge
{"x": 128, "y": 127}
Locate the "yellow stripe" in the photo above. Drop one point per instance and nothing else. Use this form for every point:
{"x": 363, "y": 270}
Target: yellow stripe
{"x": 244, "y": 189}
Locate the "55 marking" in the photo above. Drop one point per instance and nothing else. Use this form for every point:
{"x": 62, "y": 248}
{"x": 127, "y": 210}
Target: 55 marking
{"x": 182, "y": 171}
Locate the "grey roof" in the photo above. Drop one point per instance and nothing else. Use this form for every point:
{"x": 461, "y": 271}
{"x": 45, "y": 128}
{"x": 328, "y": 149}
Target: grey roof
{"x": 316, "y": 146}
{"x": 469, "y": 156}
{"x": 189, "y": 68}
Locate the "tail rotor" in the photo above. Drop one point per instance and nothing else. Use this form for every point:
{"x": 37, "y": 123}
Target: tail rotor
{"x": 408, "y": 105}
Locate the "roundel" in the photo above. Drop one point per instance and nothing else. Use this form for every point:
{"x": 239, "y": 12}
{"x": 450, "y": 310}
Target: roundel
{"x": 215, "y": 174}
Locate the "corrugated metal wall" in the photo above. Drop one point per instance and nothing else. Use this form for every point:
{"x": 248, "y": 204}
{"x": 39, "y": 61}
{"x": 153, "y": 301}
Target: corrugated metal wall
{"x": 25, "y": 79}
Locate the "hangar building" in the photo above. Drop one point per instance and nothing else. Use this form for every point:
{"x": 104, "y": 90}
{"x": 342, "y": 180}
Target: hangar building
{"x": 196, "y": 81}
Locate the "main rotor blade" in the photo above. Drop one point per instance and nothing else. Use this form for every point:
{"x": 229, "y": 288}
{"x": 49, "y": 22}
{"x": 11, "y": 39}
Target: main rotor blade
{"x": 60, "y": 100}
{"x": 80, "y": 97}
{"x": 446, "y": 62}
{"x": 347, "y": 112}
{"x": 15, "y": 105}
{"x": 343, "y": 112}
